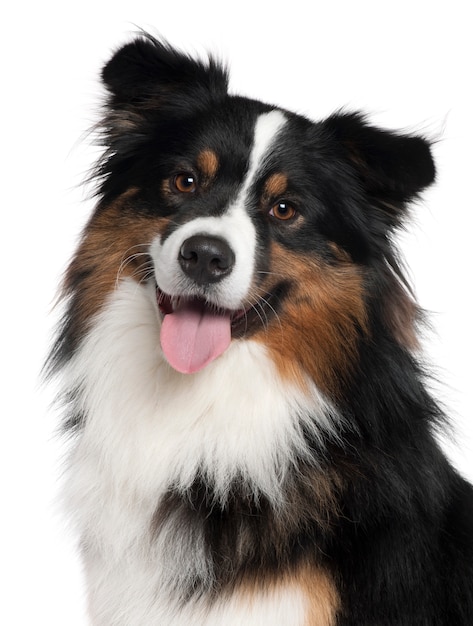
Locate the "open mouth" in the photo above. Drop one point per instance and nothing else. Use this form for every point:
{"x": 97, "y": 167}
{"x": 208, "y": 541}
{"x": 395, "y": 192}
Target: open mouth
{"x": 194, "y": 333}
{"x": 170, "y": 304}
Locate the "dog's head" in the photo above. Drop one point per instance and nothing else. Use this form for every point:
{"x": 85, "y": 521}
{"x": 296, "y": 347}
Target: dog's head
{"x": 248, "y": 220}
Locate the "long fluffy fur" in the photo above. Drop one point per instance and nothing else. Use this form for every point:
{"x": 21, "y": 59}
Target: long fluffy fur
{"x": 295, "y": 479}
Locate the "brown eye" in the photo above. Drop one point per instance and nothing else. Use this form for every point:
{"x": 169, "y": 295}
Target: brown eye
{"x": 283, "y": 211}
{"x": 185, "y": 182}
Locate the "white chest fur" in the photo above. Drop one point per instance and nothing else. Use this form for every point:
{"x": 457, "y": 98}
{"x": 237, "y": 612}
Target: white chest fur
{"x": 148, "y": 428}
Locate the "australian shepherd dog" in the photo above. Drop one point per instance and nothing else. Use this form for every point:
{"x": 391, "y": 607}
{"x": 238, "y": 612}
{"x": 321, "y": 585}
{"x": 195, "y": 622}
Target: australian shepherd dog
{"x": 254, "y": 442}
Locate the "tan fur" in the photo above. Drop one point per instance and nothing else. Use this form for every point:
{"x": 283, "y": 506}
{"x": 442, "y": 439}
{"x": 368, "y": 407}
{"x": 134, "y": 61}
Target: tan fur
{"x": 114, "y": 245}
{"x": 208, "y": 163}
{"x": 317, "y": 329}
{"x": 322, "y": 596}
{"x": 275, "y": 186}
{"x": 317, "y": 586}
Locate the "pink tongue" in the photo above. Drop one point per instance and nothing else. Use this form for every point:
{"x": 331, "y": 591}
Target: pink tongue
{"x": 192, "y": 337}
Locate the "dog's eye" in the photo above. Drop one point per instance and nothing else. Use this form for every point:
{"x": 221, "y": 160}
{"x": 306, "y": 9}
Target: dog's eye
{"x": 185, "y": 182}
{"x": 283, "y": 211}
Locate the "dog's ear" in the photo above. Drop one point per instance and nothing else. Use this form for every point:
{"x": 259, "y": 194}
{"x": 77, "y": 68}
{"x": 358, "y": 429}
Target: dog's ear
{"x": 147, "y": 76}
{"x": 392, "y": 168}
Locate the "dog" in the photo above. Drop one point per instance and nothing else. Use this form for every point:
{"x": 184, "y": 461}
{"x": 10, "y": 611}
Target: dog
{"x": 253, "y": 438}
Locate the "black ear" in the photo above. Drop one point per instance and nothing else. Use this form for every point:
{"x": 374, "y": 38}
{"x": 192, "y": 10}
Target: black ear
{"x": 392, "y": 168}
{"x": 149, "y": 74}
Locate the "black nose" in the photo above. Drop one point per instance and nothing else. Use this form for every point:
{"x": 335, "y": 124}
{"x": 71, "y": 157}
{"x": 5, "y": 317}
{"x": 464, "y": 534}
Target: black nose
{"x": 206, "y": 259}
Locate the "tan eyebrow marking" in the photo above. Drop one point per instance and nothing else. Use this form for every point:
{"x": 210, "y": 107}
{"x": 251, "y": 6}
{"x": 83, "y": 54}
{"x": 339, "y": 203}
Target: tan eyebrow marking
{"x": 208, "y": 163}
{"x": 276, "y": 185}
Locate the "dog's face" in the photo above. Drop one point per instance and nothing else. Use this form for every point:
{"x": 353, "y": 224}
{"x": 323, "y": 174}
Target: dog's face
{"x": 210, "y": 259}
{"x": 247, "y": 220}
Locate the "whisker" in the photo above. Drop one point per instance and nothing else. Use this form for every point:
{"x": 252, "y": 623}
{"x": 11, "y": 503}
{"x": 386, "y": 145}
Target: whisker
{"x": 266, "y": 302}
{"x": 267, "y": 273}
{"x": 258, "y": 303}
{"x": 263, "y": 318}
{"x": 129, "y": 258}
{"x": 143, "y": 273}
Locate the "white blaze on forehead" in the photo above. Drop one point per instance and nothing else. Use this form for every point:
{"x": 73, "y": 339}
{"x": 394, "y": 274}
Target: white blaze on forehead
{"x": 234, "y": 226}
{"x": 267, "y": 128}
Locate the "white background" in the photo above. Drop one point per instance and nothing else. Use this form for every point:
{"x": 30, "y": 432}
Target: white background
{"x": 409, "y": 64}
